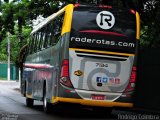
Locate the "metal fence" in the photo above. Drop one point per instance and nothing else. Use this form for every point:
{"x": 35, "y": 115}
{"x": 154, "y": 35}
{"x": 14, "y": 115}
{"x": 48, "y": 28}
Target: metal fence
{"x": 4, "y": 71}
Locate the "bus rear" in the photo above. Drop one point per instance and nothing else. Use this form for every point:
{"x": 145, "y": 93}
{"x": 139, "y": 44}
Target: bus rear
{"x": 102, "y": 56}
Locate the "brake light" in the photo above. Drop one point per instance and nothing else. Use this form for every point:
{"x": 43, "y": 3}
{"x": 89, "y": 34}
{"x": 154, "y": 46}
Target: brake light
{"x": 132, "y": 11}
{"x": 132, "y": 81}
{"x": 76, "y": 5}
{"x": 64, "y": 78}
{"x": 105, "y": 6}
{"x": 65, "y": 69}
{"x": 133, "y": 75}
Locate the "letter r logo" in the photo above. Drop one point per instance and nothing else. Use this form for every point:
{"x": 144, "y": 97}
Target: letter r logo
{"x": 105, "y": 20}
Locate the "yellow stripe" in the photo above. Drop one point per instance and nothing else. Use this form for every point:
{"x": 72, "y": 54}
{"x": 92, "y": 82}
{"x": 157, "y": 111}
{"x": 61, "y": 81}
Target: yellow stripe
{"x": 91, "y": 102}
{"x": 138, "y": 25}
{"x": 28, "y": 96}
{"x": 67, "y": 19}
{"x": 104, "y": 52}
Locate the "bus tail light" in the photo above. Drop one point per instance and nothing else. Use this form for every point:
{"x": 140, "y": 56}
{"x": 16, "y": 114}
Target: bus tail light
{"x": 105, "y": 6}
{"x": 76, "y": 5}
{"x": 132, "y": 11}
{"x": 64, "y": 78}
{"x": 133, "y": 75}
{"x": 132, "y": 81}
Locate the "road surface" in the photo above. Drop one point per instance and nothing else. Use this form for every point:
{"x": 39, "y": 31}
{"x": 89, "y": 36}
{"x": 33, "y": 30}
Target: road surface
{"x": 12, "y": 107}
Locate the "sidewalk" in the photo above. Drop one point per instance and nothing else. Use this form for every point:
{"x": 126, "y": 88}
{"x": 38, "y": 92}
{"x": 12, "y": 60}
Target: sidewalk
{"x": 12, "y": 85}
{"x": 6, "y": 81}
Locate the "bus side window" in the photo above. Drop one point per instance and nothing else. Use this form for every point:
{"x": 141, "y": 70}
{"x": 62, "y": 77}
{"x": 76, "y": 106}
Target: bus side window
{"x": 52, "y": 41}
{"x": 43, "y": 38}
{"x": 30, "y": 45}
{"x": 38, "y": 40}
{"x": 48, "y": 36}
{"x": 58, "y": 27}
{"x": 34, "y": 46}
{"x": 35, "y": 42}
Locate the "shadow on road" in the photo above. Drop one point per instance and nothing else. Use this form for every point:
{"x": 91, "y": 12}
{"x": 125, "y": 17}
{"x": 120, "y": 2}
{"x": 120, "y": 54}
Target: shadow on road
{"x": 74, "y": 112}
{"x": 68, "y": 111}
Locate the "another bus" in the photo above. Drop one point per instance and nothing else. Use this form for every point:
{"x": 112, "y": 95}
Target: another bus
{"x": 83, "y": 55}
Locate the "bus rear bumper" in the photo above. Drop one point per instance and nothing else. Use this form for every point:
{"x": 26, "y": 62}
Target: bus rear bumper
{"x": 91, "y": 102}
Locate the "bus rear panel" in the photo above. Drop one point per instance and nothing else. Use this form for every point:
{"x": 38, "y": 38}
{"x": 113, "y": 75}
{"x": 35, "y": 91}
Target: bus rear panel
{"x": 100, "y": 66}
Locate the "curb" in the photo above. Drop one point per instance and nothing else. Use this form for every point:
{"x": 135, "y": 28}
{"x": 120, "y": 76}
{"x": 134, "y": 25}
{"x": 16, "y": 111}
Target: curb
{"x": 6, "y": 81}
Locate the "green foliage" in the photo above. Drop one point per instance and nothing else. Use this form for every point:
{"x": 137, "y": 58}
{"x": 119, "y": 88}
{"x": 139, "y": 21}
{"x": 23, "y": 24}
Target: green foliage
{"x": 16, "y": 17}
{"x": 7, "y": 17}
{"x": 15, "y": 44}
{"x": 150, "y": 24}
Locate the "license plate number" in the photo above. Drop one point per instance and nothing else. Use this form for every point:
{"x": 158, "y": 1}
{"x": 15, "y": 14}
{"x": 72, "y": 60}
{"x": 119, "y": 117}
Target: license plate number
{"x": 98, "y": 97}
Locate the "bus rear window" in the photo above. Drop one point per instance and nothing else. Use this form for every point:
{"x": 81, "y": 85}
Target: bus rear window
{"x": 107, "y": 29}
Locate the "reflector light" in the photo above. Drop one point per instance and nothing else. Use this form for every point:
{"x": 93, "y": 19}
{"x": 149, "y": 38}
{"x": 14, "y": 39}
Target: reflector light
{"x": 67, "y": 91}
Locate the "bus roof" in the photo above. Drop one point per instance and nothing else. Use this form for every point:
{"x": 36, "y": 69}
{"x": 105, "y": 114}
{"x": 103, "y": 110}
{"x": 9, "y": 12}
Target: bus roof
{"x": 47, "y": 20}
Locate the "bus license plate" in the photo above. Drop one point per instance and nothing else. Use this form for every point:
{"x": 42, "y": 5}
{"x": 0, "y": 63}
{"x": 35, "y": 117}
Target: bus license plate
{"x": 98, "y": 97}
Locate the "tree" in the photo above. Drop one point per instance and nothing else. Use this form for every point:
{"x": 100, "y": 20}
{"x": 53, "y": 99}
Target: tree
{"x": 150, "y": 14}
{"x": 14, "y": 43}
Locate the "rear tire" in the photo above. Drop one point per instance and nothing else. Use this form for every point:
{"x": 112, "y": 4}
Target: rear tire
{"x": 29, "y": 102}
{"x": 47, "y": 107}
{"x": 24, "y": 90}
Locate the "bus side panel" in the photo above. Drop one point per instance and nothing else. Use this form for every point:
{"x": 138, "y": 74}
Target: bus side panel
{"x": 29, "y": 75}
{"x": 47, "y": 72}
{"x": 44, "y": 74}
{"x": 55, "y": 62}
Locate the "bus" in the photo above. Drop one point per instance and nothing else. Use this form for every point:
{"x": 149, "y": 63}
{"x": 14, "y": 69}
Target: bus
{"x": 83, "y": 54}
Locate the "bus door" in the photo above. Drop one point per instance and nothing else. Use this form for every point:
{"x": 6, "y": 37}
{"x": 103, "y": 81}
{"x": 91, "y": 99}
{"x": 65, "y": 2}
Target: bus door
{"x": 102, "y": 48}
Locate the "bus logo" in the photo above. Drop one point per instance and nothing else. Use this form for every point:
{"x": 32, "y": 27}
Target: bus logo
{"x": 78, "y": 73}
{"x": 105, "y": 20}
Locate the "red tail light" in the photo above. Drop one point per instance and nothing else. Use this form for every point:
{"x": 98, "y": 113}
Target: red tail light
{"x": 76, "y": 5}
{"x": 105, "y": 6}
{"x": 65, "y": 69}
{"x": 133, "y": 75}
{"x": 64, "y": 79}
{"x": 132, "y": 81}
{"x": 132, "y": 11}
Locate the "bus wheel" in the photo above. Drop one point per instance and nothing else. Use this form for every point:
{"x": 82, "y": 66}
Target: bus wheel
{"x": 46, "y": 105}
{"x": 29, "y": 102}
